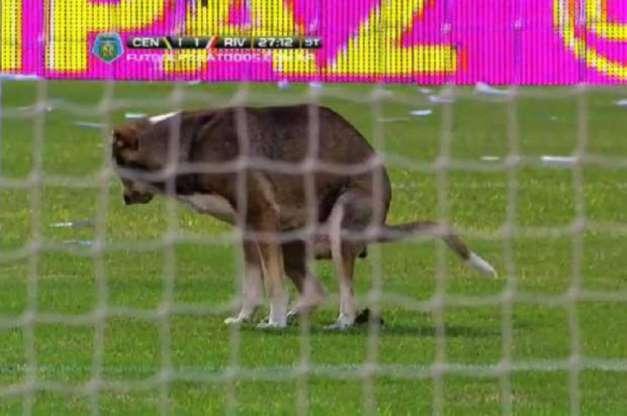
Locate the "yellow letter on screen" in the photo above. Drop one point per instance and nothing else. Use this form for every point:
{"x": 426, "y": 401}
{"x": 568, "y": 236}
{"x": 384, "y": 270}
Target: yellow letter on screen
{"x": 564, "y": 13}
{"x": 70, "y": 21}
{"x": 599, "y": 21}
{"x": 203, "y": 20}
{"x": 376, "y": 49}
{"x": 10, "y": 35}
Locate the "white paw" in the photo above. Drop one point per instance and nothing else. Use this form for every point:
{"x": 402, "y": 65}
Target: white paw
{"x": 271, "y": 325}
{"x": 292, "y": 314}
{"x": 236, "y": 320}
{"x": 342, "y": 324}
{"x": 338, "y": 326}
{"x": 297, "y": 311}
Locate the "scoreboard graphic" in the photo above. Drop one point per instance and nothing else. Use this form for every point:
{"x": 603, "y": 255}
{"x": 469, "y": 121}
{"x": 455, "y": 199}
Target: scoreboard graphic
{"x": 527, "y": 42}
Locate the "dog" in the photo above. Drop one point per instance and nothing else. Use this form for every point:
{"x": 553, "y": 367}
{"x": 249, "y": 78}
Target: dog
{"x": 300, "y": 181}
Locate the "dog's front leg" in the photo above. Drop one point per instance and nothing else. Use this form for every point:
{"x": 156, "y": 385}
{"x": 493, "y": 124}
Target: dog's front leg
{"x": 273, "y": 271}
{"x": 252, "y": 285}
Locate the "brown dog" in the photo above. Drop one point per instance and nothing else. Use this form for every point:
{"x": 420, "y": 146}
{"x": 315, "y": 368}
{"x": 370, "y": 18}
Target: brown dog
{"x": 258, "y": 169}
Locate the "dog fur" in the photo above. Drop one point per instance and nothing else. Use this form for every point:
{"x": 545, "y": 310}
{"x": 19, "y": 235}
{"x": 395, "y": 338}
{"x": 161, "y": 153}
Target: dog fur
{"x": 292, "y": 178}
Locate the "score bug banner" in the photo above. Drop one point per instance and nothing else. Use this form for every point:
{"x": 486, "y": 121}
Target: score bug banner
{"x": 414, "y": 41}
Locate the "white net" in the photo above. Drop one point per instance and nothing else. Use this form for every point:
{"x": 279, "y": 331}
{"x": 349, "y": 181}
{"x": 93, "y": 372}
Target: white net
{"x": 544, "y": 336}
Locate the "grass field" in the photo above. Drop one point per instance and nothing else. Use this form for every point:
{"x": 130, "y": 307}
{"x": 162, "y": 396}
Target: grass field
{"x": 134, "y": 342}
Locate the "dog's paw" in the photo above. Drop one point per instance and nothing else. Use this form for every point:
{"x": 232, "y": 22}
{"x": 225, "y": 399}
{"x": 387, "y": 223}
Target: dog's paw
{"x": 236, "y": 320}
{"x": 342, "y": 324}
{"x": 271, "y": 325}
{"x": 294, "y": 314}
{"x": 339, "y": 326}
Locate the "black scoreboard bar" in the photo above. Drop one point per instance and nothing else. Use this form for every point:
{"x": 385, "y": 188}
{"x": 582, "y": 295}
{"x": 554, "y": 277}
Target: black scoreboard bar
{"x": 185, "y": 42}
{"x": 233, "y": 42}
{"x": 276, "y": 42}
{"x": 224, "y": 42}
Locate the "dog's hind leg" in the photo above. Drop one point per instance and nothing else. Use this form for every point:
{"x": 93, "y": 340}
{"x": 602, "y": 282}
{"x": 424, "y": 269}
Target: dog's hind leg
{"x": 252, "y": 290}
{"x": 311, "y": 292}
{"x": 352, "y": 212}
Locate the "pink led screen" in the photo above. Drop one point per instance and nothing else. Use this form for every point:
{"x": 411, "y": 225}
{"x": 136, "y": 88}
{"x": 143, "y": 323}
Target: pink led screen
{"x": 410, "y": 41}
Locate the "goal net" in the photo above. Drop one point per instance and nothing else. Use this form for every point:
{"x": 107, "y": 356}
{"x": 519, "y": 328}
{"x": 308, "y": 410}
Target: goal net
{"x": 107, "y": 308}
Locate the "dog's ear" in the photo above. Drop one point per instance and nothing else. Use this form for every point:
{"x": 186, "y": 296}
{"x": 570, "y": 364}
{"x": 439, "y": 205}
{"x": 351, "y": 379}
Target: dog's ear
{"x": 126, "y": 137}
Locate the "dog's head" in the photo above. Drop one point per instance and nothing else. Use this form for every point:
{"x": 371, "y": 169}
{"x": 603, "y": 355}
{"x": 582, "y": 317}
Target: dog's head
{"x": 128, "y": 162}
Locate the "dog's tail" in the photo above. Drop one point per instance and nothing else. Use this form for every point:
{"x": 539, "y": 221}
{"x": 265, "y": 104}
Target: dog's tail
{"x": 393, "y": 233}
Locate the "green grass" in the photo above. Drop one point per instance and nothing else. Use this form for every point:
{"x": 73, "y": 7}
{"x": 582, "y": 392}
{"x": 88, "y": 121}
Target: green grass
{"x": 202, "y": 349}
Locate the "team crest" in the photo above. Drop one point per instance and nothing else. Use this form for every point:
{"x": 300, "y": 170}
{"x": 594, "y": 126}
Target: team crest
{"x": 108, "y": 47}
